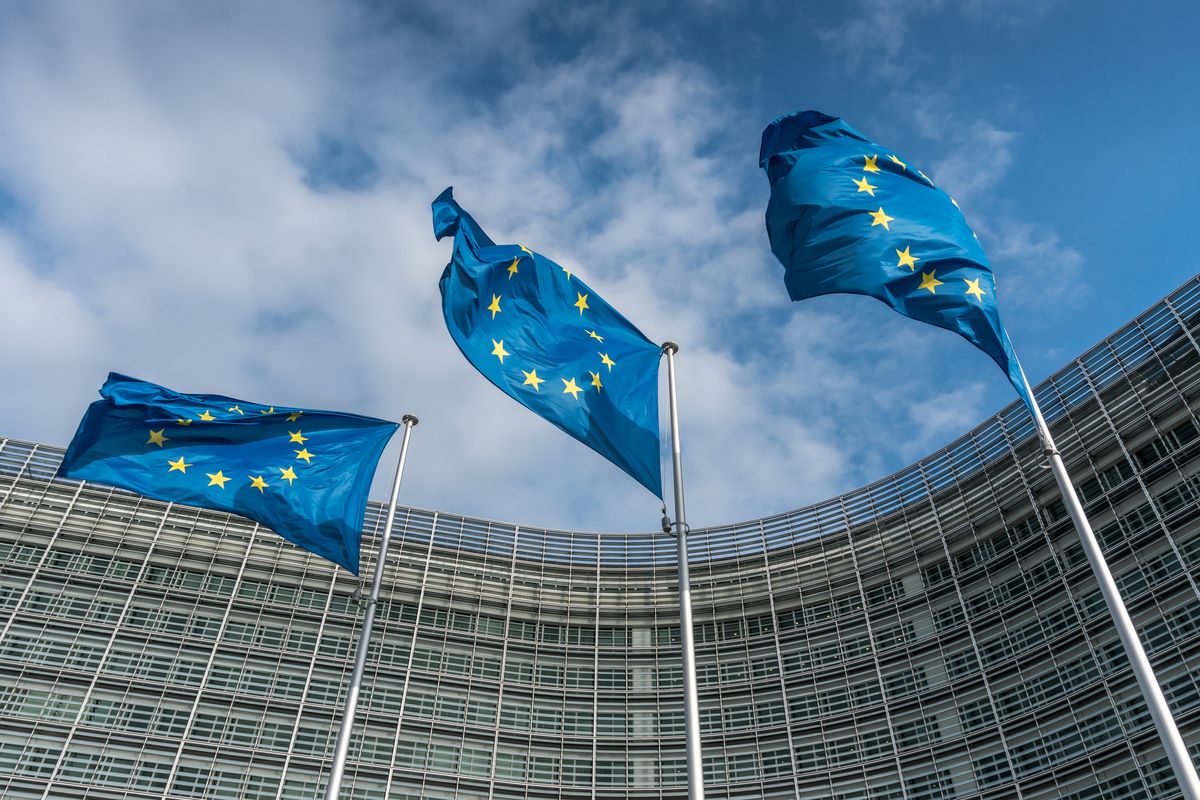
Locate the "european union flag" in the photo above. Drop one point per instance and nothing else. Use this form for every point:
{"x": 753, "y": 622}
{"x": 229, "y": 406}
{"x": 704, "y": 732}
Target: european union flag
{"x": 304, "y": 474}
{"x": 847, "y": 215}
{"x": 552, "y": 344}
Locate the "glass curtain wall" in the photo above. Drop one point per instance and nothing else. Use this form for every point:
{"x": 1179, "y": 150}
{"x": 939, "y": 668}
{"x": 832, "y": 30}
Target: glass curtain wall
{"x": 936, "y": 634}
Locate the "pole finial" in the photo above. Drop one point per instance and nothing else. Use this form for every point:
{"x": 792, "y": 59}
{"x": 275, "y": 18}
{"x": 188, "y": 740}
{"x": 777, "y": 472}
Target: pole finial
{"x": 409, "y": 420}
{"x": 670, "y": 347}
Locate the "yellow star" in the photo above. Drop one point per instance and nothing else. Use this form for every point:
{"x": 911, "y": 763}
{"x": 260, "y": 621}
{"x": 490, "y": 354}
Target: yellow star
{"x": 564, "y": 269}
{"x": 288, "y": 475}
{"x": 897, "y": 161}
{"x": 216, "y": 478}
{"x": 532, "y": 379}
{"x": 595, "y": 379}
{"x": 928, "y": 281}
{"x": 870, "y": 165}
{"x": 581, "y": 303}
{"x": 880, "y": 218}
{"x": 295, "y": 415}
{"x": 907, "y": 259}
{"x": 595, "y": 335}
{"x": 178, "y": 465}
{"x": 270, "y": 410}
{"x": 952, "y": 200}
{"x": 156, "y": 437}
{"x": 182, "y": 421}
{"x": 207, "y": 417}
{"x": 495, "y": 306}
{"x": 235, "y": 408}
{"x": 498, "y": 350}
{"x": 865, "y": 186}
{"x": 606, "y": 361}
{"x": 297, "y": 437}
{"x": 973, "y": 288}
{"x": 304, "y": 454}
{"x": 512, "y": 268}
{"x": 570, "y": 387}
{"x": 257, "y": 482}
{"x": 526, "y": 249}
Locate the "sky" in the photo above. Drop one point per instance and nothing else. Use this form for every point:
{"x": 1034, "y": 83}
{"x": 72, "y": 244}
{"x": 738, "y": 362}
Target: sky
{"x": 233, "y": 198}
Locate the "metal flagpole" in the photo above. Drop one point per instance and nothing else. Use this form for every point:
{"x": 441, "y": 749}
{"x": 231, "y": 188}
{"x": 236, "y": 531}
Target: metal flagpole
{"x": 691, "y": 707}
{"x": 364, "y": 638}
{"x": 1168, "y": 731}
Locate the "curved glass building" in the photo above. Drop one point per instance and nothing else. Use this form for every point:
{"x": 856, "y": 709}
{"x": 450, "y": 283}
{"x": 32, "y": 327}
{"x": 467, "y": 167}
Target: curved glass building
{"x": 936, "y": 634}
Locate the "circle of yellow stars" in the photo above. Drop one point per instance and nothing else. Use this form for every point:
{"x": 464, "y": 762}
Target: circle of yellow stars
{"x": 905, "y": 258}
{"x": 286, "y": 474}
{"x": 531, "y": 377}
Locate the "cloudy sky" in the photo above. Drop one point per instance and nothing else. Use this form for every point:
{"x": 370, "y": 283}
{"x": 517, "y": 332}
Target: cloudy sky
{"x": 234, "y": 198}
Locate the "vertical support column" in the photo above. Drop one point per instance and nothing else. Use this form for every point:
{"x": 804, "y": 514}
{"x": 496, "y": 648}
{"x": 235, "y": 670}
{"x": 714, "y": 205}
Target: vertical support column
{"x": 412, "y": 646}
{"x": 783, "y": 689}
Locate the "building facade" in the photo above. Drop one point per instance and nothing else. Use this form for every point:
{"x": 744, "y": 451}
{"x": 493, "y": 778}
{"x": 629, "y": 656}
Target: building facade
{"x": 936, "y": 634}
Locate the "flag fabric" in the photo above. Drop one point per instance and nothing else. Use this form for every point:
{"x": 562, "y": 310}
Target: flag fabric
{"x": 305, "y": 474}
{"x": 848, "y": 215}
{"x": 545, "y": 338}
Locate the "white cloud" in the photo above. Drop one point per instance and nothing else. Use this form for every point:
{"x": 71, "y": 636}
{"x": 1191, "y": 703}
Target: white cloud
{"x": 874, "y": 38}
{"x": 162, "y": 152}
{"x": 47, "y": 339}
{"x": 1007, "y": 12}
{"x": 1040, "y": 272}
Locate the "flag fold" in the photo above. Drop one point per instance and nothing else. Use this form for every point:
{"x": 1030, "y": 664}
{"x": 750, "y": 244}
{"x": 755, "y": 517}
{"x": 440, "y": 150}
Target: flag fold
{"x": 547, "y": 340}
{"x": 303, "y": 473}
{"x": 849, "y": 215}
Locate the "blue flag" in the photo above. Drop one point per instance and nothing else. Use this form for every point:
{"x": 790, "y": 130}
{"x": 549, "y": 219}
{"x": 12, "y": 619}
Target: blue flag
{"x": 847, "y": 215}
{"x": 552, "y": 344}
{"x": 304, "y": 474}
